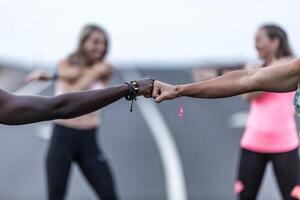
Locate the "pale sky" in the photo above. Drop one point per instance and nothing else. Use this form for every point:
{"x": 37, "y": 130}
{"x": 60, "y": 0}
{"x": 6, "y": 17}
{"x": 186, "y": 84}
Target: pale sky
{"x": 45, "y": 31}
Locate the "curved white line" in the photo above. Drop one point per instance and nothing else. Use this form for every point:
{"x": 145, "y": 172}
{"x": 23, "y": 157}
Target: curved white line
{"x": 173, "y": 171}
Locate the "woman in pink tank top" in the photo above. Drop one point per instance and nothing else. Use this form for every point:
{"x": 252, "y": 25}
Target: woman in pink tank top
{"x": 271, "y": 133}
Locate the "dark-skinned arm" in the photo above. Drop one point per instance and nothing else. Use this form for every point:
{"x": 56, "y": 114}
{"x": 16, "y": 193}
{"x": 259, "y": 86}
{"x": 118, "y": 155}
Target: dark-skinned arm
{"x": 16, "y": 110}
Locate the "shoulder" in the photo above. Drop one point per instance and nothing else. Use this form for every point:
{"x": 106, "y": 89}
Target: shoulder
{"x": 104, "y": 71}
{"x": 294, "y": 64}
{"x": 63, "y": 64}
{"x": 297, "y": 62}
{"x": 293, "y": 68}
{"x": 103, "y": 68}
{"x": 284, "y": 60}
{"x": 102, "y": 65}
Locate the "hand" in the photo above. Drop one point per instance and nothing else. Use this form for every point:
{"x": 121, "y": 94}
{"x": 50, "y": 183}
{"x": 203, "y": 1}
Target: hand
{"x": 146, "y": 87}
{"x": 38, "y": 75}
{"x": 163, "y": 91}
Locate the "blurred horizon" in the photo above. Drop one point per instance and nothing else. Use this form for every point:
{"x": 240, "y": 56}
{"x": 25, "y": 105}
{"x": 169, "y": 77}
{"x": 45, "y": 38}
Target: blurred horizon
{"x": 142, "y": 31}
{"x": 154, "y": 154}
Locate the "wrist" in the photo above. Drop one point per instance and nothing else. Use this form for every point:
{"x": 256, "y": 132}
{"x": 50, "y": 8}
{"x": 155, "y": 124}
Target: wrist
{"x": 135, "y": 86}
{"x": 179, "y": 90}
{"x": 132, "y": 90}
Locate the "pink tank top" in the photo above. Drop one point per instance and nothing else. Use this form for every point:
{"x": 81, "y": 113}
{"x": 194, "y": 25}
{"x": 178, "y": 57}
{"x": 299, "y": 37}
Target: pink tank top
{"x": 271, "y": 126}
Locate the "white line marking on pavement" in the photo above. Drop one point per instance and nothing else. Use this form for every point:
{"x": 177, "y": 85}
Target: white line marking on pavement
{"x": 173, "y": 171}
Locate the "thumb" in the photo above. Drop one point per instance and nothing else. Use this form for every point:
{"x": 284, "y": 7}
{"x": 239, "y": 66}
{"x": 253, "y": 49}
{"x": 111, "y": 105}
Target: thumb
{"x": 159, "y": 99}
{"x": 155, "y": 93}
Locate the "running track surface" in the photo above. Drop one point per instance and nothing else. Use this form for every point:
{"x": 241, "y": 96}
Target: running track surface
{"x": 208, "y": 147}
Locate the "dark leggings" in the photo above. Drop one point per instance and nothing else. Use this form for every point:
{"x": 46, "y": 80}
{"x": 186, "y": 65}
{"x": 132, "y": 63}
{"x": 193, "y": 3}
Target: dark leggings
{"x": 72, "y": 145}
{"x": 252, "y": 167}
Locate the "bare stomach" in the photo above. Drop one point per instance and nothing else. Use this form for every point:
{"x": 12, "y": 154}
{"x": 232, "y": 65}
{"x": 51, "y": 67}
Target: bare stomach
{"x": 88, "y": 121}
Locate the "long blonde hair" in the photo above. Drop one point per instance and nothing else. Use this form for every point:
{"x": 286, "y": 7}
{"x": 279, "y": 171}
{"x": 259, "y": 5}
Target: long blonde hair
{"x": 79, "y": 57}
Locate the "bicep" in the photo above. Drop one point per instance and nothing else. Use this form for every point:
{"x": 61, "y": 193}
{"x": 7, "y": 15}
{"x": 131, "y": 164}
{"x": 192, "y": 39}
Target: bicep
{"x": 5, "y": 98}
{"x": 17, "y": 110}
{"x": 252, "y": 95}
{"x": 280, "y": 78}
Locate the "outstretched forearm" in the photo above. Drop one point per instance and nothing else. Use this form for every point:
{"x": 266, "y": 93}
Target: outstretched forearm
{"x": 281, "y": 78}
{"x": 29, "y": 109}
{"x": 230, "y": 84}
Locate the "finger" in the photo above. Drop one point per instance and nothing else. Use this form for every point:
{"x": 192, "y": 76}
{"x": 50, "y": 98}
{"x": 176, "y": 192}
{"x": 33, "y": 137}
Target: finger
{"x": 159, "y": 99}
{"x": 156, "y": 89}
{"x": 147, "y": 94}
{"x": 155, "y": 94}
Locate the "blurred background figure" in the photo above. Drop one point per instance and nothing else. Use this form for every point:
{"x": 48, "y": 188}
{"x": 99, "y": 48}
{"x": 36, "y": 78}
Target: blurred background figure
{"x": 158, "y": 156}
{"x": 74, "y": 140}
{"x": 271, "y": 132}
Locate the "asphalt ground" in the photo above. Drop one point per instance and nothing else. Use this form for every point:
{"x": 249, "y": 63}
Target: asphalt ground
{"x": 207, "y": 143}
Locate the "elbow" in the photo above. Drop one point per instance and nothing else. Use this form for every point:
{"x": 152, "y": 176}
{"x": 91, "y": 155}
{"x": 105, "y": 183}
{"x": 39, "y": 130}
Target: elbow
{"x": 62, "y": 113}
{"x": 251, "y": 83}
{"x": 62, "y": 108}
{"x": 58, "y": 113}
{"x": 59, "y": 110}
